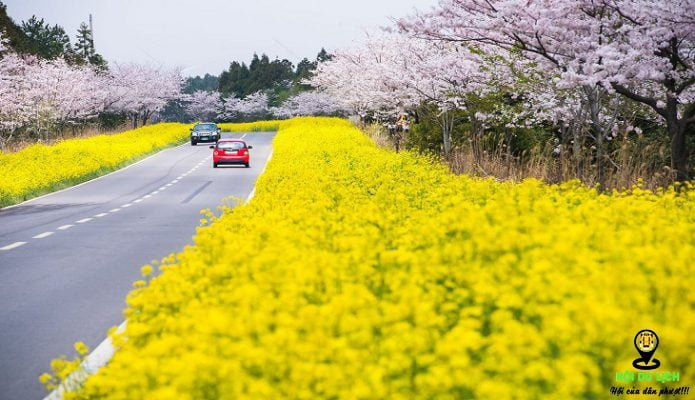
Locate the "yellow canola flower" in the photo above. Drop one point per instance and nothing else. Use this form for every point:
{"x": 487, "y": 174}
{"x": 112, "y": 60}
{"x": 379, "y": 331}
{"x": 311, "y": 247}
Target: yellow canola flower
{"x": 81, "y": 348}
{"x": 356, "y": 272}
{"x": 146, "y": 271}
{"x": 258, "y": 126}
{"x": 40, "y": 169}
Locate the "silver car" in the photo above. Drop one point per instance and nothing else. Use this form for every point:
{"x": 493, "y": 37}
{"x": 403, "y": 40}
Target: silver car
{"x": 205, "y": 132}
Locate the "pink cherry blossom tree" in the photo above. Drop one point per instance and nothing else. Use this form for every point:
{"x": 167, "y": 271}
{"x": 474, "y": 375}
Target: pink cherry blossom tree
{"x": 46, "y": 96}
{"x": 14, "y": 108}
{"x": 203, "y": 105}
{"x": 308, "y": 103}
{"x": 142, "y": 91}
{"x": 66, "y": 94}
{"x": 255, "y": 104}
{"x": 639, "y": 49}
{"x": 391, "y": 73}
{"x": 362, "y": 77}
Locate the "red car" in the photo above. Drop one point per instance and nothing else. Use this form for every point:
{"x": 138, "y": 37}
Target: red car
{"x": 230, "y": 151}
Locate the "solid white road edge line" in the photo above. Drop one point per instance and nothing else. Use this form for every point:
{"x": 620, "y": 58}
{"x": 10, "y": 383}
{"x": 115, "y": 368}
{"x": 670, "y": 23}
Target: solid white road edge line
{"x": 105, "y": 350}
{"x": 253, "y": 191}
{"x": 92, "y": 180}
{"x": 96, "y": 359}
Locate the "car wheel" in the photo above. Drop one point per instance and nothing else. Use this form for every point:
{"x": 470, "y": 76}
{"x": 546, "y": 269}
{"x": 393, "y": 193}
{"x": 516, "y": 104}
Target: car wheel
{"x": 214, "y": 165}
{"x": 193, "y": 143}
{"x": 246, "y": 165}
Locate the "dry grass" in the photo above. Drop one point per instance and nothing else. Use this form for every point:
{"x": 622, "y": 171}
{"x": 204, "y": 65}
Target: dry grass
{"x": 377, "y": 133}
{"x": 629, "y": 165}
{"x": 12, "y": 146}
{"x": 623, "y": 172}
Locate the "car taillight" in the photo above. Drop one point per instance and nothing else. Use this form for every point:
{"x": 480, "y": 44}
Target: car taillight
{"x": 216, "y": 153}
{"x": 244, "y": 152}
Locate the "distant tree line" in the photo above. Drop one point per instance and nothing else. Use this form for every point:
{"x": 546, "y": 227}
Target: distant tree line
{"x": 280, "y": 79}
{"x": 50, "y": 42}
{"x": 257, "y": 90}
{"x": 50, "y": 87}
{"x": 207, "y": 83}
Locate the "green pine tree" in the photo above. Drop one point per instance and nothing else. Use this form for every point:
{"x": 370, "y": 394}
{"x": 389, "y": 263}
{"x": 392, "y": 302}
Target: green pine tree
{"x": 45, "y": 41}
{"x": 84, "y": 48}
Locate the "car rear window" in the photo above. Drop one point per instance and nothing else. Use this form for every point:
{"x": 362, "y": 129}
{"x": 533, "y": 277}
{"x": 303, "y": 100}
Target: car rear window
{"x": 230, "y": 145}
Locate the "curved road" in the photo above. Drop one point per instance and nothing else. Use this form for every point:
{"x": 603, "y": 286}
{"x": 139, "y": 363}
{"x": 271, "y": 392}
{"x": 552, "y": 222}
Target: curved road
{"x": 68, "y": 260}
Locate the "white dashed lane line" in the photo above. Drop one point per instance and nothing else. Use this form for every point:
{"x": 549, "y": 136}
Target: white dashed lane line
{"x": 12, "y": 246}
{"x": 100, "y": 215}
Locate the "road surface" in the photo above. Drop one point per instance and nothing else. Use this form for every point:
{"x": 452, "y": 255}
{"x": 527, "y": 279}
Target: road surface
{"x": 68, "y": 260}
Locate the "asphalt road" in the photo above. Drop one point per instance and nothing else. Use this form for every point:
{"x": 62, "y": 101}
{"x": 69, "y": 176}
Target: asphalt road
{"x": 68, "y": 260}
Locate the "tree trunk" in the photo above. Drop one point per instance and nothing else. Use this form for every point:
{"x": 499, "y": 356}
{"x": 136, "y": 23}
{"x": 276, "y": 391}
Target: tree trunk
{"x": 593, "y": 98}
{"x": 578, "y": 150}
{"x": 600, "y": 161}
{"x": 565, "y": 139}
{"x": 508, "y": 142}
{"x": 135, "y": 121}
{"x": 397, "y": 135}
{"x": 677, "y": 127}
{"x": 476, "y": 136}
{"x": 679, "y": 151}
{"x": 447, "y": 123}
{"x": 145, "y": 117}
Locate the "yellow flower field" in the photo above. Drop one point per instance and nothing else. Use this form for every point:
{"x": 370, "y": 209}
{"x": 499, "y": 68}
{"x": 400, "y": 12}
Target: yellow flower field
{"x": 39, "y": 169}
{"x": 257, "y": 126}
{"x": 359, "y": 273}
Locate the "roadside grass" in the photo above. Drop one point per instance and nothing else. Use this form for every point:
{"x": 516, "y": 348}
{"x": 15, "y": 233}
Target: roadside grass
{"x": 39, "y": 169}
{"x": 630, "y": 162}
{"x": 356, "y": 272}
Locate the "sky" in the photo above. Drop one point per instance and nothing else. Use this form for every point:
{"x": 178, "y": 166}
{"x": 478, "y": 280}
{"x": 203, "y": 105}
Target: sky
{"x": 204, "y": 36}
